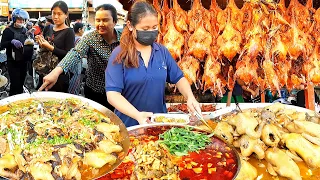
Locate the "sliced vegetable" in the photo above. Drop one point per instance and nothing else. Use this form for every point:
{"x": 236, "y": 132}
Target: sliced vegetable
{"x": 181, "y": 141}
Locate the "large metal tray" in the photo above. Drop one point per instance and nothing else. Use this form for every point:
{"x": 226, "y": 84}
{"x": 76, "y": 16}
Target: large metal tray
{"x": 57, "y": 95}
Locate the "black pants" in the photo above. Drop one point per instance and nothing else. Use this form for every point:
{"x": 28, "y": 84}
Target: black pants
{"x": 100, "y": 98}
{"x": 61, "y": 85}
{"x": 17, "y": 73}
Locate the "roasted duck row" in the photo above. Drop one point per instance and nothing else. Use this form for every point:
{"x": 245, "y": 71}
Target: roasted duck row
{"x": 264, "y": 44}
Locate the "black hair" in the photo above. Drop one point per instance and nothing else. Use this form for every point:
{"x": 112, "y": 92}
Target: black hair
{"x": 110, "y": 8}
{"x": 62, "y": 5}
{"x": 64, "y": 8}
{"x": 128, "y": 54}
{"x": 77, "y": 27}
{"x": 50, "y": 21}
{"x": 139, "y": 10}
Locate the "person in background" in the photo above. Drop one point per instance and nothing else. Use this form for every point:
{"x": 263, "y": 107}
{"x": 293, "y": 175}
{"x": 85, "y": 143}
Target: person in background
{"x": 74, "y": 86}
{"x": 30, "y": 29}
{"x": 47, "y": 30}
{"x": 13, "y": 40}
{"x": 40, "y": 25}
{"x": 97, "y": 46}
{"x": 139, "y": 69}
{"x": 63, "y": 40}
{"x": 300, "y": 99}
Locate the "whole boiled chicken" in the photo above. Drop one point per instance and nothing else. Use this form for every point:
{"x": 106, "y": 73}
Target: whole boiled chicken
{"x": 282, "y": 164}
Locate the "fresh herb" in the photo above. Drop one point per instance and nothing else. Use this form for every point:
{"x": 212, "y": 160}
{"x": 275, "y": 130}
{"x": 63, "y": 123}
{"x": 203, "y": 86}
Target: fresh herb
{"x": 88, "y": 122}
{"x": 181, "y": 141}
{"x": 57, "y": 140}
{"x": 2, "y": 133}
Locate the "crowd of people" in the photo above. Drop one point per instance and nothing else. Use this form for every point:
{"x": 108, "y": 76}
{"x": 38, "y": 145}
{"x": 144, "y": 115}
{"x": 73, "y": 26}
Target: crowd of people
{"x": 127, "y": 72}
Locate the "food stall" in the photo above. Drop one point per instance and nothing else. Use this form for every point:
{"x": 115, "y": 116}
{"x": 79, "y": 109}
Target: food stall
{"x": 267, "y": 45}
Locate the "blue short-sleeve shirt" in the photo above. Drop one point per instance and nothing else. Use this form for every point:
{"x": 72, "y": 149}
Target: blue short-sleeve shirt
{"x": 143, "y": 87}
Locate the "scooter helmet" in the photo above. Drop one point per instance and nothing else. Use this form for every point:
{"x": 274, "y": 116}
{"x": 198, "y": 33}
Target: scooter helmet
{"x": 19, "y": 13}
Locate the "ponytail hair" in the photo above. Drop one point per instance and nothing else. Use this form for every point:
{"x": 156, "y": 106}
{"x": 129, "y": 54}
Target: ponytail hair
{"x": 128, "y": 54}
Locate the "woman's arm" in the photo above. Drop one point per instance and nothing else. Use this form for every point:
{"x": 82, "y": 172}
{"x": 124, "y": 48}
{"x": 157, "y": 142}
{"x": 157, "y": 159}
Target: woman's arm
{"x": 185, "y": 89}
{"x": 125, "y": 107}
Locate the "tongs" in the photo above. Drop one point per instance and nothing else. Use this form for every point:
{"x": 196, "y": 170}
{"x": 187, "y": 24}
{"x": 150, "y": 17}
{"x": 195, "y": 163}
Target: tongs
{"x": 200, "y": 117}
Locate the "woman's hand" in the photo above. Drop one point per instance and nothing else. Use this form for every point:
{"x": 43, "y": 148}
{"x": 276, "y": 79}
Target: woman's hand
{"x": 51, "y": 79}
{"x": 193, "y": 105}
{"x": 143, "y": 117}
{"x": 44, "y": 43}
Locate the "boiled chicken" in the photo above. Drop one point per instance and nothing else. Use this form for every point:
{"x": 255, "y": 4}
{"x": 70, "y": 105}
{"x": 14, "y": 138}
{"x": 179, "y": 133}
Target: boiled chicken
{"x": 246, "y": 123}
{"x": 282, "y": 164}
{"x": 224, "y": 130}
{"x": 250, "y": 145}
{"x": 173, "y": 40}
{"x": 271, "y": 135}
{"x": 309, "y": 152}
{"x": 247, "y": 171}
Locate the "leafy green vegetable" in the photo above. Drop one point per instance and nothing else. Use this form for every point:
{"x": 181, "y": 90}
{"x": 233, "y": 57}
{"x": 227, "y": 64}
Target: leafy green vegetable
{"x": 181, "y": 141}
{"x": 88, "y": 122}
{"x": 56, "y": 140}
{"x": 2, "y": 133}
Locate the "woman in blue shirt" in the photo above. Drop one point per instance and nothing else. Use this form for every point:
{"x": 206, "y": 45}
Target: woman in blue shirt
{"x": 139, "y": 68}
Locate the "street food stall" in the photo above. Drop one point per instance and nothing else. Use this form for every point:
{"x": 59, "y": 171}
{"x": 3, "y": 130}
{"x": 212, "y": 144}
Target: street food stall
{"x": 266, "y": 44}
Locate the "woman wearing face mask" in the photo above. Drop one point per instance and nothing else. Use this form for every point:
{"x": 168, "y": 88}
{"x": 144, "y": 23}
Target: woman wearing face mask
{"x": 97, "y": 47}
{"x": 13, "y": 40}
{"x": 63, "y": 40}
{"x": 139, "y": 68}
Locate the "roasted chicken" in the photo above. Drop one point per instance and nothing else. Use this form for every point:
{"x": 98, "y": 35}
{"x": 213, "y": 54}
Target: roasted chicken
{"x": 173, "y": 39}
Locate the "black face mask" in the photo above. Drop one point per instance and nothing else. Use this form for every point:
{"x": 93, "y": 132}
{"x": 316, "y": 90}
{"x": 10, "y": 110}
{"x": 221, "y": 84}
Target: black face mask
{"x": 146, "y": 38}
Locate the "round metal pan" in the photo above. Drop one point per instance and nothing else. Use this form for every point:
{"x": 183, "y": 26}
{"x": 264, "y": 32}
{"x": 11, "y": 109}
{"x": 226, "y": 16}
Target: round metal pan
{"x": 125, "y": 142}
{"x": 145, "y": 129}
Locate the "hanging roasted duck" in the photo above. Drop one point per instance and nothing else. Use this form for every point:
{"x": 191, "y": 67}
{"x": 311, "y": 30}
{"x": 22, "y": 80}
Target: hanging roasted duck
{"x": 158, "y": 9}
{"x": 315, "y": 28}
{"x": 200, "y": 42}
{"x": 190, "y": 67}
{"x": 301, "y": 14}
{"x": 311, "y": 67}
{"x": 298, "y": 44}
{"x": 236, "y": 15}
{"x": 271, "y": 78}
{"x": 214, "y": 11}
{"x": 212, "y": 78}
{"x": 164, "y": 12}
{"x": 229, "y": 41}
{"x": 247, "y": 70}
{"x": 173, "y": 40}
{"x": 180, "y": 17}
{"x": 198, "y": 13}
